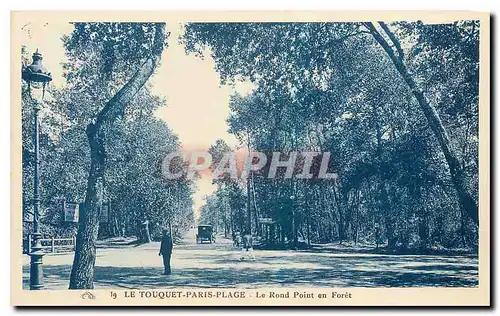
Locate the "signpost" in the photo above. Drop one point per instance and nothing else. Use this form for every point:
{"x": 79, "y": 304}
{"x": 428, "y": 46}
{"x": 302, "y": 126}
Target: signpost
{"x": 266, "y": 220}
{"x": 71, "y": 212}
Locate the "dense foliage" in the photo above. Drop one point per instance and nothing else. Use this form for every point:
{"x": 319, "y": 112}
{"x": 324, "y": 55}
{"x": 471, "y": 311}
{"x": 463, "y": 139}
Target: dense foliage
{"x": 331, "y": 87}
{"x": 102, "y": 57}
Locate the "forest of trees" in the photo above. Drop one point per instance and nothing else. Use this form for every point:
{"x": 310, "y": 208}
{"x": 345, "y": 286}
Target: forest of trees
{"x": 396, "y": 105}
{"x": 134, "y": 184}
{"x": 100, "y": 142}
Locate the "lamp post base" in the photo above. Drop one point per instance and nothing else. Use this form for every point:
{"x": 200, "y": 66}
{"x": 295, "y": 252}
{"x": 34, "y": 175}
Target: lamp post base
{"x": 36, "y": 263}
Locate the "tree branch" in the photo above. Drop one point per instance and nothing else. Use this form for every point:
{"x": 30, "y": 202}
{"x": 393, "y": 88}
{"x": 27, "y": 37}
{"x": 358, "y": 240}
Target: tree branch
{"x": 120, "y": 100}
{"x": 393, "y": 38}
{"x": 350, "y": 35}
{"x": 456, "y": 170}
{"x": 380, "y": 39}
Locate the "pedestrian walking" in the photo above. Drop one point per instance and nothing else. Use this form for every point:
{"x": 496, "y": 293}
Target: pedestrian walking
{"x": 237, "y": 240}
{"x": 166, "y": 251}
{"x": 247, "y": 250}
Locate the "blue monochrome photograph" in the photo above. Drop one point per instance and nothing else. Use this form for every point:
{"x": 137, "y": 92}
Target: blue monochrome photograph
{"x": 250, "y": 159}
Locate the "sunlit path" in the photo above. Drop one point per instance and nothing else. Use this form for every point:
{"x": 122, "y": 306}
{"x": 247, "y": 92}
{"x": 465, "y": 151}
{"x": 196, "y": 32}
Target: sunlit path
{"x": 218, "y": 265}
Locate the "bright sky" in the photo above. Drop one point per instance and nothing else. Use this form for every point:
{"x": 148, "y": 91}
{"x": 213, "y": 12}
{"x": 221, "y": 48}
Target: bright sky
{"x": 197, "y": 106}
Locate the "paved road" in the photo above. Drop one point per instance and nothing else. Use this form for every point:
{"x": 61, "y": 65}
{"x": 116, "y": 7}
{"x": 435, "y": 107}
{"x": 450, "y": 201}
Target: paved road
{"x": 218, "y": 265}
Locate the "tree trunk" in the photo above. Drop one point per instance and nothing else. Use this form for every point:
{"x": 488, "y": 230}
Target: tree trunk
{"x": 386, "y": 210}
{"x": 457, "y": 172}
{"x": 341, "y": 206}
{"x": 249, "y": 209}
{"x": 82, "y": 272}
{"x": 143, "y": 235}
{"x": 308, "y": 232}
{"x": 224, "y": 219}
{"x": 147, "y": 234}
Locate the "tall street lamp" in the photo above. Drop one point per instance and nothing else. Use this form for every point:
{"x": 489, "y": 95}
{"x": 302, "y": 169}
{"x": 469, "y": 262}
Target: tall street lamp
{"x": 37, "y": 78}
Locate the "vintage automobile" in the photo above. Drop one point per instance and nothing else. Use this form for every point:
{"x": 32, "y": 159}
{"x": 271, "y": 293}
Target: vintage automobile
{"x": 205, "y": 233}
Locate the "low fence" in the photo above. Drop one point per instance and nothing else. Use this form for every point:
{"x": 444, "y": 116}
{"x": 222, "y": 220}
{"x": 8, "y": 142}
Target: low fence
{"x": 53, "y": 245}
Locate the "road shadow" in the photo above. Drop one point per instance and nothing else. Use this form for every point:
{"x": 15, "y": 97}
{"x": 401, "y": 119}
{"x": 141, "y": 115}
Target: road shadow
{"x": 344, "y": 273}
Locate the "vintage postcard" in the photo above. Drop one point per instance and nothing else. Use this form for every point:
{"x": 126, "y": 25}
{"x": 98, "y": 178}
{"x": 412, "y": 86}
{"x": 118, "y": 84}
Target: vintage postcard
{"x": 285, "y": 158}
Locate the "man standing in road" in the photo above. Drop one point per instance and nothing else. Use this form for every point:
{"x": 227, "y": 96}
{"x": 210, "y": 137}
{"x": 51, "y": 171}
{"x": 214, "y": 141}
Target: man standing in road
{"x": 166, "y": 251}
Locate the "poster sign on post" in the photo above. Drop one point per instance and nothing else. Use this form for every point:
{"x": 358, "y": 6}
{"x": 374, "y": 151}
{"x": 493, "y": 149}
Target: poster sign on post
{"x": 71, "y": 211}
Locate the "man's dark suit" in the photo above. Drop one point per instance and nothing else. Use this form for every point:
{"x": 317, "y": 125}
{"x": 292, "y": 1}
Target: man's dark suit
{"x": 166, "y": 252}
